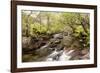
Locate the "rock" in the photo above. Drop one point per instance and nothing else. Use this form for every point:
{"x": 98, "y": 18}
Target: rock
{"x": 86, "y": 56}
{"x": 76, "y": 45}
{"x": 44, "y": 50}
{"x": 54, "y": 42}
{"x": 29, "y": 43}
{"x": 59, "y": 47}
{"x": 57, "y": 41}
{"x": 67, "y": 41}
{"x": 26, "y": 42}
{"x": 85, "y": 51}
{"x": 75, "y": 55}
{"x": 58, "y": 36}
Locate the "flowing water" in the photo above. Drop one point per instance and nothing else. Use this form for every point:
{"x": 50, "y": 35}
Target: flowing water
{"x": 54, "y": 50}
{"x": 60, "y": 55}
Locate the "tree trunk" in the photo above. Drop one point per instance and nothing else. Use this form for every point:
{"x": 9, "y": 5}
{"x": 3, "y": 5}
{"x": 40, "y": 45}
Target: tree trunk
{"x": 48, "y": 23}
{"x": 27, "y": 25}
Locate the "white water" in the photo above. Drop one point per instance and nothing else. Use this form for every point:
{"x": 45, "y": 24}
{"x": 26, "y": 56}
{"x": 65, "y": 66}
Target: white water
{"x": 66, "y": 55}
{"x": 60, "y": 55}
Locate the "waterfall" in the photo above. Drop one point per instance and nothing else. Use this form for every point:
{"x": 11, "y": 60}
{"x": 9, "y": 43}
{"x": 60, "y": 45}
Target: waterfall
{"x": 62, "y": 55}
{"x": 66, "y": 55}
{"x": 54, "y": 56}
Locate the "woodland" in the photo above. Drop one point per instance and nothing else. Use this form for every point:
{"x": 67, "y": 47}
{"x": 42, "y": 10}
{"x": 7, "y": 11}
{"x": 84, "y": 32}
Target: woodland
{"x": 55, "y": 36}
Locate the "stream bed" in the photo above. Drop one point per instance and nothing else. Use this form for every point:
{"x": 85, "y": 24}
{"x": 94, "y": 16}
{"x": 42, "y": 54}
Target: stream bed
{"x": 56, "y": 49}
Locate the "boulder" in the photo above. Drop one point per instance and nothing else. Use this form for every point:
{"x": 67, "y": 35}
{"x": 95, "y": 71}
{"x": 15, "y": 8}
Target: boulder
{"x": 86, "y": 56}
{"x": 67, "y": 41}
{"x": 85, "y": 51}
{"x": 58, "y": 36}
{"x": 76, "y": 55}
{"x": 26, "y": 42}
{"x": 44, "y": 50}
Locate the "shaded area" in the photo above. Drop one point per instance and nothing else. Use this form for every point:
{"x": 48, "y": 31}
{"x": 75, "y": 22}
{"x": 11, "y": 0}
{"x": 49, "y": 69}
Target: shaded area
{"x": 55, "y": 36}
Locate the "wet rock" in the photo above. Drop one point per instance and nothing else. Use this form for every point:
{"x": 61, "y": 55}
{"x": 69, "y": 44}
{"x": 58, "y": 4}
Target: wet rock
{"x": 54, "y": 42}
{"x": 32, "y": 43}
{"x": 58, "y": 36}
{"x": 85, "y": 51}
{"x": 67, "y": 41}
{"x": 80, "y": 54}
{"x": 57, "y": 41}
{"x": 86, "y": 56}
{"x": 75, "y": 55}
{"x": 44, "y": 50}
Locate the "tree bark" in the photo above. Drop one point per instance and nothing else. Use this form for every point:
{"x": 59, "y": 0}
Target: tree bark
{"x": 27, "y": 25}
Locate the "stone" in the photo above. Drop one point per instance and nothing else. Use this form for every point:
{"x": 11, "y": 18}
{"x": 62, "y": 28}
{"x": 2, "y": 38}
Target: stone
{"x": 58, "y": 36}
{"x": 85, "y": 51}
{"x": 67, "y": 41}
{"x": 86, "y": 56}
{"x": 26, "y": 42}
